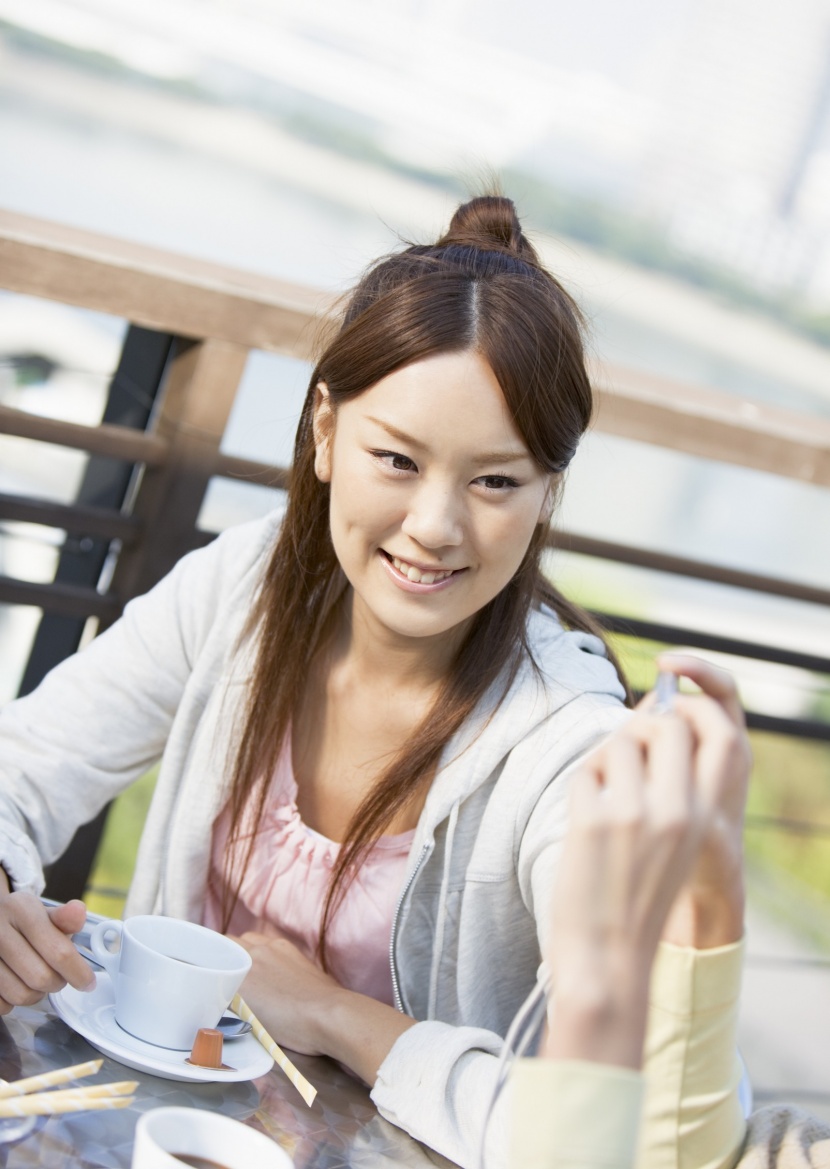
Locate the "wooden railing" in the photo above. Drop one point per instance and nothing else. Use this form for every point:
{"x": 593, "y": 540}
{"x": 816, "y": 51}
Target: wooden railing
{"x": 199, "y": 322}
{"x": 228, "y": 313}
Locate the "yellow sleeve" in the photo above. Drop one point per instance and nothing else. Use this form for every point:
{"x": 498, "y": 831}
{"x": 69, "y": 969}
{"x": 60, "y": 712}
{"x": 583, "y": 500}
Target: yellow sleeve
{"x": 572, "y": 1114}
{"x": 692, "y": 1117}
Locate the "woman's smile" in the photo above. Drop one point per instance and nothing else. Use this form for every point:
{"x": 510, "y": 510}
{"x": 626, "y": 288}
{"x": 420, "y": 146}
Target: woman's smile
{"x": 415, "y": 578}
{"x": 434, "y": 494}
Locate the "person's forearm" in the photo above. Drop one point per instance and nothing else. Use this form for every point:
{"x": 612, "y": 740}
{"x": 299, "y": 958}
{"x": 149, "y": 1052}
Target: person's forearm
{"x": 606, "y": 1035}
{"x": 600, "y": 1013}
{"x": 359, "y": 1032}
{"x": 5, "y": 882}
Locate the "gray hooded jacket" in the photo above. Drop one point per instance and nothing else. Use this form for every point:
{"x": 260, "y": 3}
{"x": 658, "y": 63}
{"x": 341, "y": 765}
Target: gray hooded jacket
{"x": 166, "y": 682}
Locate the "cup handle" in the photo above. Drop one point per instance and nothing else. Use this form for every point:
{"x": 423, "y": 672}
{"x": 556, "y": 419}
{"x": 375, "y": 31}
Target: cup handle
{"x": 109, "y": 959}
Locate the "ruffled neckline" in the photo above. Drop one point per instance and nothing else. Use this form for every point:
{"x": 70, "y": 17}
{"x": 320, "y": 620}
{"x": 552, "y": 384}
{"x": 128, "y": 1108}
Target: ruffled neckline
{"x": 282, "y": 815}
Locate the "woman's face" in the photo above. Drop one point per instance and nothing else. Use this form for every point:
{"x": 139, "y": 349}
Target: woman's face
{"x": 434, "y": 495}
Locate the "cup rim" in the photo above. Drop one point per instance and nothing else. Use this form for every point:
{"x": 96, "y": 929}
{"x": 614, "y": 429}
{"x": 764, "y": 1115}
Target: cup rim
{"x": 209, "y": 1120}
{"x": 243, "y": 958}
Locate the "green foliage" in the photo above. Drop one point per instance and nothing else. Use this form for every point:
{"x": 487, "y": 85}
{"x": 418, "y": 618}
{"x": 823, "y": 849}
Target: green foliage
{"x": 791, "y": 782}
{"x": 114, "y": 864}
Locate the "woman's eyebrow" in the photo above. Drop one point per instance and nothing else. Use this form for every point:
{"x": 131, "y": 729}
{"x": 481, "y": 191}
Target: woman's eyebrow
{"x": 482, "y": 460}
{"x": 393, "y": 432}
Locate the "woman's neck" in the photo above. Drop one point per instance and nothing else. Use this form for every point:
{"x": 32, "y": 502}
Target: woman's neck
{"x": 378, "y": 655}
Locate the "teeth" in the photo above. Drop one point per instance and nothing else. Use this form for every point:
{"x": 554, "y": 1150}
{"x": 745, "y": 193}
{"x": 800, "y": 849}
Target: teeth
{"x": 415, "y": 575}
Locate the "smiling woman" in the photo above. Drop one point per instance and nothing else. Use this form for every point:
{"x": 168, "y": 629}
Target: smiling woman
{"x": 439, "y": 516}
{"x": 364, "y": 708}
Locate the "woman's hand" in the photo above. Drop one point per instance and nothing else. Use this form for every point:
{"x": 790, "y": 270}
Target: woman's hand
{"x": 654, "y": 846}
{"x": 287, "y": 992}
{"x": 709, "y": 910}
{"x": 310, "y": 1012}
{"x": 37, "y": 956}
{"x": 637, "y": 821}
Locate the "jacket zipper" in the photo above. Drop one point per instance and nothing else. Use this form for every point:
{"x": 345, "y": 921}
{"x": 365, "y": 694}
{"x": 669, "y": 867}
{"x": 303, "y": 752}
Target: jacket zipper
{"x": 396, "y": 991}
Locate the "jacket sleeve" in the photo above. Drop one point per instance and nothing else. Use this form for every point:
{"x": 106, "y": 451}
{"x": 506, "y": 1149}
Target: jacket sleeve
{"x": 692, "y": 1116}
{"x": 576, "y": 1115}
{"x": 101, "y": 718}
{"x": 437, "y": 1083}
{"x": 573, "y": 1114}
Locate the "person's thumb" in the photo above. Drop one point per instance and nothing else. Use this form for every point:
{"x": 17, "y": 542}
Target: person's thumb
{"x": 69, "y": 918}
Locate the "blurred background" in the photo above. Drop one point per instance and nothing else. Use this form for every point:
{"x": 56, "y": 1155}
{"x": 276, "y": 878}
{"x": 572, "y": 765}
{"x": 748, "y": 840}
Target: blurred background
{"x": 672, "y": 160}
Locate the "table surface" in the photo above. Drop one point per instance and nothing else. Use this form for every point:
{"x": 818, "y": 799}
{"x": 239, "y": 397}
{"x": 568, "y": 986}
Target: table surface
{"x": 341, "y": 1129}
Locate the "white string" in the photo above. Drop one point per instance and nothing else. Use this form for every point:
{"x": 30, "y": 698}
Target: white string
{"x": 520, "y": 1034}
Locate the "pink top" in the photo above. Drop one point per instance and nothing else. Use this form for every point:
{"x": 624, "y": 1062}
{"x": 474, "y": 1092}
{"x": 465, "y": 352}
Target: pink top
{"x": 285, "y": 883}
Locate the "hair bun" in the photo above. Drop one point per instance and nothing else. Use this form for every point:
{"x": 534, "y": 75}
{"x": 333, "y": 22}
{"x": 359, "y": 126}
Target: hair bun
{"x": 489, "y": 222}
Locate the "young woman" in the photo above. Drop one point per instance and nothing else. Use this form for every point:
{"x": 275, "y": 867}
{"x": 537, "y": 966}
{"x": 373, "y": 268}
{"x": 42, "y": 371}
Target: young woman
{"x": 364, "y": 707}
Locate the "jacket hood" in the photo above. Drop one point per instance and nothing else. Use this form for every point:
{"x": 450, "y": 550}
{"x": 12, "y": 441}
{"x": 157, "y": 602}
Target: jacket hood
{"x": 566, "y": 664}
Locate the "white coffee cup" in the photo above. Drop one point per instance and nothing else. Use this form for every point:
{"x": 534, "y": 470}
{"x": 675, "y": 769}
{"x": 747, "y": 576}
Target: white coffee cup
{"x": 218, "y": 1140}
{"x": 171, "y": 977}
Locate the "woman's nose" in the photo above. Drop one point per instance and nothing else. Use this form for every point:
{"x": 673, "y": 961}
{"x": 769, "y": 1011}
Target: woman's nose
{"x": 435, "y": 518}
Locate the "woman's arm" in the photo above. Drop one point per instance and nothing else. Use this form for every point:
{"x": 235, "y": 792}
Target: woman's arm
{"x": 444, "y": 1075}
{"x": 692, "y": 1112}
{"x": 637, "y": 819}
{"x": 313, "y": 1014}
{"x": 635, "y": 823}
{"x": 617, "y": 882}
{"x": 95, "y": 724}
{"x": 103, "y": 716}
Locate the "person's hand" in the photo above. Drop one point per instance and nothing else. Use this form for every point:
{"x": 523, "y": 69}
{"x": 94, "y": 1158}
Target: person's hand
{"x": 287, "y": 992}
{"x": 37, "y": 956}
{"x": 710, "y": 908}
{"x": 310, "y": 1012}
{"x": 637, "y": 821}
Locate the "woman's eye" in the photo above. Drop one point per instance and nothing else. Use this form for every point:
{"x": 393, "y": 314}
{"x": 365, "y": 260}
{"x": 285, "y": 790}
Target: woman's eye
{"x": 497, "y": 482}
{"x": 396, "y": 461}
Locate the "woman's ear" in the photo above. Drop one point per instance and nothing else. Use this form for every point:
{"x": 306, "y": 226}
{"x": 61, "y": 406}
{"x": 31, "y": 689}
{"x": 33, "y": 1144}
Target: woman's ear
{"x": 323, "y": 427}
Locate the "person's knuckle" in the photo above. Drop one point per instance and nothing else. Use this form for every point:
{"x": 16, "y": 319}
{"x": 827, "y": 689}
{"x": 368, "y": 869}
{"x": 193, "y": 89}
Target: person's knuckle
{"x": 630, "y": 820}
{"x": 29, "y": 996}
{"x": 732, "y": 735}
{"x": 675, "y": 826}
{"x": 738, "y": 748}
{"x": 63, "y": 950}
{"x": 50, "y": 981}
{"x": 593, "y": 827}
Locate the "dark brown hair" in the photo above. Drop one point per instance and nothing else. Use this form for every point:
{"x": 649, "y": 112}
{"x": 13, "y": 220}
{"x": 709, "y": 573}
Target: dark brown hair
{"x": 480, "y": 287}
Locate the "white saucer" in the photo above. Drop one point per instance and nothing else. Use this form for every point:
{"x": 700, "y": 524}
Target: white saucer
{"x": 93, "y": 1016}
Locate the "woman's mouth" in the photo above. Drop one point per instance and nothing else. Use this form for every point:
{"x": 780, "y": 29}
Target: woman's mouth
{"x": 416, "y": 575}
{"x": 404, "y": 573}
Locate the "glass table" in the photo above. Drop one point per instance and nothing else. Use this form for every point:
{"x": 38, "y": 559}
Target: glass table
{"x": 342, "y": 1129}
